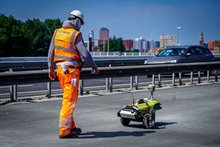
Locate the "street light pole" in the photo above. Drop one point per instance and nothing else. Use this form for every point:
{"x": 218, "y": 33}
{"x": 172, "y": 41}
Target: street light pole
{"x": 91, "y": 38}
{"x": 108, "y": 45}
{"x": 178, "y": 29}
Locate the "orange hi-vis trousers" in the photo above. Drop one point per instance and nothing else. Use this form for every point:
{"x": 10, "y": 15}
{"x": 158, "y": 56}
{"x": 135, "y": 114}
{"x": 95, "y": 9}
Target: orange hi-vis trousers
{"x": 69, "y": 83}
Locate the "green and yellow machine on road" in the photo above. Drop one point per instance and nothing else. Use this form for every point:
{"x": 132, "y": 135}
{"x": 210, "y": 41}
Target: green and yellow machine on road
{"x": 142, "y": 110}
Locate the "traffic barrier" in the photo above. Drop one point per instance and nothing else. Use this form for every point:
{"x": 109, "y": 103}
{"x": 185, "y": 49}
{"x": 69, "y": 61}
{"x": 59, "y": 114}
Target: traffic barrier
{"x": 40, "y": 63}
{"x": 39, "y": 76}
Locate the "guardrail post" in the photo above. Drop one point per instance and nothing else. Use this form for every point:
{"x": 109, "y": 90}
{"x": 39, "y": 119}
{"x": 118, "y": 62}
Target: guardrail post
{"x": 13, "y": 92}
{"x": 109, "y": 85}
{"x": 216, "y": 75}
{"x": 153, "y": 79}
{"x": 81, "y": 87}
{"x": 180, "y": 78}
{"x": 199, "y": 77}
{"x": 159, "y": 80}
{"x": 48, "y": 95}
{"x": 109, "y": 82}
{"x": 208, "y": 75}
{"x": 173, "y": 79}
{"x": 131, "y": 82}
{"x": 191, "y": 77}
{"x": 136, "y": 82}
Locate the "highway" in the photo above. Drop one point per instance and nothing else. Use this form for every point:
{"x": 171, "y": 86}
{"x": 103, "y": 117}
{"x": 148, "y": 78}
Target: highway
{"x": 189, "y": 117}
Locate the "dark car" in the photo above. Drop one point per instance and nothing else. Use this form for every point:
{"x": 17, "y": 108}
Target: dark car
{"x": 181, "y": 54}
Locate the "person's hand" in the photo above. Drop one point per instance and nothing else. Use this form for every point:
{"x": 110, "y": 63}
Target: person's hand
{"x": 52, "y": 75}
{"x": 95, "y": 71}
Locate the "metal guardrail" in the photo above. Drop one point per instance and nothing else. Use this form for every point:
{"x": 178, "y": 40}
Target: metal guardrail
{"x": 40, "y": 63}
{"x": 23, "y": 77}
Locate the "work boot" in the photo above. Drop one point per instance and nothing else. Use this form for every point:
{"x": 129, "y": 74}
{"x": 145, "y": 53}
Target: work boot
{"x": 71, "y": 135}
{"x": 78, "y": 131}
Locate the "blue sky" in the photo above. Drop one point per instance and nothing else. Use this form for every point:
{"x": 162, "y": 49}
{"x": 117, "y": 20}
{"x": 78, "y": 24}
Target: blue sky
{"x": 129, "y": 19}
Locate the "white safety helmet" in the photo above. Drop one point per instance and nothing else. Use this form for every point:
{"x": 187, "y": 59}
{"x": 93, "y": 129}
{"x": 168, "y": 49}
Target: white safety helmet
{"x": 78, "y": 14}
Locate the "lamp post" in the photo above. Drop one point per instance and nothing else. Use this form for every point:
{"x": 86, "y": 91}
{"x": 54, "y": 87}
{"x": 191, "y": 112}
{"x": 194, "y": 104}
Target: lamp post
{"x": 108, "y": 45}
{"x": 178, "y": 29}
{"x": 91, "y": 38}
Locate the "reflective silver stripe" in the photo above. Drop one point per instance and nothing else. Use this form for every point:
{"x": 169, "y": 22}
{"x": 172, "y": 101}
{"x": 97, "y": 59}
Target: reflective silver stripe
{"x": 65, "y": 119}
{"x": 66, "y": 49}
{"x": 72, "y": 38}
{"x": 66, "y": 132}
{"x": 65, "y": 126}
{"x": 71, "y": 111}
{"x": 72, "y": 63}
{"x": 65, "y": 58}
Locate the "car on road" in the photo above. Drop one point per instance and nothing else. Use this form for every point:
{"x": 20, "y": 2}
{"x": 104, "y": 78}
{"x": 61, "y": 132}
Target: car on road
{"x": 181, "y": 54}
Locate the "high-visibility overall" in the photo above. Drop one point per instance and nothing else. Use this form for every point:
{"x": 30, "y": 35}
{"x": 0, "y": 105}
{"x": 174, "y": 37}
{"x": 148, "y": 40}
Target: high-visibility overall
{"x": 70, "y": 97}
{"x": 64, "y": 42}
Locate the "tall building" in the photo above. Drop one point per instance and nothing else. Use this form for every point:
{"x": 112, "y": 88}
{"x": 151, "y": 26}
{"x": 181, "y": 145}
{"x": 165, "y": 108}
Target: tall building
{"x": 103, "y": 36}
{"x": 167, "y": 40}
{"x": 155, "y": 44}
{"x": 140, "y": 44}
{"x": 148, "y": 45}
{"x": 214, "y": 46}
{"x": 128, "y": 44}
{"x": 155, "y": 47}
{"x": 143, "y": 44}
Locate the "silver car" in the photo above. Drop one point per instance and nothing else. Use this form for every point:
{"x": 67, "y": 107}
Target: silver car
{"x": 181, "y": 54}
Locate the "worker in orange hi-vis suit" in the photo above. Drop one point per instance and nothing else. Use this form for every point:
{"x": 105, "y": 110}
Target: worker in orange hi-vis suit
{"x": 67, "y": 53}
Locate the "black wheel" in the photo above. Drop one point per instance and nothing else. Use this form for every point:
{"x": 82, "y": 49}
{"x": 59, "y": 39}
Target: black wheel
{"x": 125, "y": 121}
{"x": 152, "y": 118}
{"x": 149, "y": 120}
{"x": 146, "y": 121}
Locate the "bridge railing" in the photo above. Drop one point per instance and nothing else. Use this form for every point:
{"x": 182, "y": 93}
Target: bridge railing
{"x": 39, "y": 76}
{"x": 40, "y": 63}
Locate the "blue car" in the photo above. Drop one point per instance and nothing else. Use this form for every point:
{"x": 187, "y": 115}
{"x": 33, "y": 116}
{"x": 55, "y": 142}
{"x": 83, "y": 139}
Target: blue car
{"x": 181, "y": 54}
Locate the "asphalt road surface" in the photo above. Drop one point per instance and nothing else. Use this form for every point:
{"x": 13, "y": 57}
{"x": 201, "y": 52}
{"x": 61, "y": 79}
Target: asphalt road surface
{"x": 190, "y": 117}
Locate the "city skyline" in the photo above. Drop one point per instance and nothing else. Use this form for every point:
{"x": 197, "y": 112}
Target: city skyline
{"x": 129, "y": 19}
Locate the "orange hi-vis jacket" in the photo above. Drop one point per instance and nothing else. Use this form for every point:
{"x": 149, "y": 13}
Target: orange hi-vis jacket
{"x": 64, "y": 43}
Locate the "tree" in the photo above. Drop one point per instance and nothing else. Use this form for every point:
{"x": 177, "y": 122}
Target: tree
{"x": 42, "y": 33}
{"x": 15, "y": 37}
{"x": 115, "y": 45}
{"x": 40, "y": 37}
{"x": 52, "y": 25}
{"x": 30, "y": 38}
